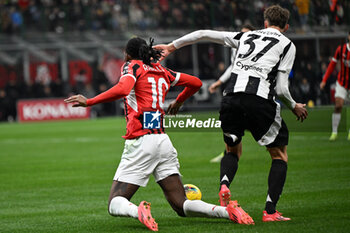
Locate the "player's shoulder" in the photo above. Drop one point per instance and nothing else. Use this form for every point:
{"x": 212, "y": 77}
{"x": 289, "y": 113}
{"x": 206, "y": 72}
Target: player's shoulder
{"x": 131, "y": 66}
{"x": 341, "y": 46}
{"x": 131, "y": 63}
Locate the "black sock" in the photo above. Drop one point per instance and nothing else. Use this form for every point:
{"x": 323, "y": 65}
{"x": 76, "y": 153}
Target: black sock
{"x": 228, "y": 168}
{"x": 277, "y": 177}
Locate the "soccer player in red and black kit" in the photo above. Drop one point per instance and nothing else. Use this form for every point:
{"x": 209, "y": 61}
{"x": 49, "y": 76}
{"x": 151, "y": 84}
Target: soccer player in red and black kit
{"x": 342, "y": 88}
{"x": 148, "y": 150}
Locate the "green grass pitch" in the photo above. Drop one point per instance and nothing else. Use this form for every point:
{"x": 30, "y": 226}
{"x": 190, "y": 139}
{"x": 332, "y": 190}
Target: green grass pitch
{"x": 55, "y": 177}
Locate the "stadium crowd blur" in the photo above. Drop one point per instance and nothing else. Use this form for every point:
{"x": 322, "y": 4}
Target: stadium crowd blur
{"x": 18, "y": 17}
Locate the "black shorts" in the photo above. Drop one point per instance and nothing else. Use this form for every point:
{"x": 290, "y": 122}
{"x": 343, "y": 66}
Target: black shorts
{"x": 262, "y": 117}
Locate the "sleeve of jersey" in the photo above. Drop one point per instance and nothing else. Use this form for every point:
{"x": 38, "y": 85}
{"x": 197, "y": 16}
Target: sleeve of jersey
{"x": 191, "y": 83}
{"x": 332, "y": 65}
{"x": 288, "y": 59}
{"x": 226, "y": 76}
{"x": 120, "y": 90}
{"x": 284, "y": 69}
{"x": 220, "y": 37}
{"x": 282, "y": 90}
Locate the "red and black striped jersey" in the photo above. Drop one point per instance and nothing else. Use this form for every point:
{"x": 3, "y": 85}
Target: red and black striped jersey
{"x": 342, "y": 54}
{"x": 144, "y": 88}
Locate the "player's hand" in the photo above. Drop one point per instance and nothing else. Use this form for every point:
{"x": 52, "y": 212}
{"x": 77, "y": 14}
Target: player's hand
{"x": 214, "y": 86}
{"x": 166, "y": 49}
{"x": 300, "y": 111}
{"x": 322, "y": 85}
{"x": 173, "y": 107}
{"x": 79, "y": 100}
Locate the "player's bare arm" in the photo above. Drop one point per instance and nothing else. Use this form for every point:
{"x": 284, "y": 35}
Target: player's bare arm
{"x": 192, "y": 84}
{"x": 300, "y": 111}
{"x": 322, "y": 85}
{"x": 214, "y": 86}
{"x": 166, "y": 49}
{"x": 174, "y": 107}
{"x": 79, "y": 100}
{"x": 118, "y": 91}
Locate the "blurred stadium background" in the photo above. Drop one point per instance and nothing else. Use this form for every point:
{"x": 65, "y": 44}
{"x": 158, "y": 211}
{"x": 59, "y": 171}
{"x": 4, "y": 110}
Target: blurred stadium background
{"x": 57, "y": 48}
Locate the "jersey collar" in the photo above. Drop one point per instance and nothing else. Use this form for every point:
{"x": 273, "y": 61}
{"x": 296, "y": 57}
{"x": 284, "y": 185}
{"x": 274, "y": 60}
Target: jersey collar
{"x": 273, "y": 29}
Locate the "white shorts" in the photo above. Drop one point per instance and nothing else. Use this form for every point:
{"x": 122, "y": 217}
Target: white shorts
{"x": 146, "y": 155}
{"x": 341, "y": 92}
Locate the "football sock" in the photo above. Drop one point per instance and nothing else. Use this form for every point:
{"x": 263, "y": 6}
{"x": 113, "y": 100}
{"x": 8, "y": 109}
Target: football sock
{"x": 120, "y": 206}
{"x": 335, "y": 122}
{"x": 228, "y": 168}
{"x": 277, "y": 177}
{"x": 198, "y": 208}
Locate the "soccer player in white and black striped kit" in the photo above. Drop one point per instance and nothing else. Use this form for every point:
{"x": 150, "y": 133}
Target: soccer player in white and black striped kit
{"x": 262, "y": 65}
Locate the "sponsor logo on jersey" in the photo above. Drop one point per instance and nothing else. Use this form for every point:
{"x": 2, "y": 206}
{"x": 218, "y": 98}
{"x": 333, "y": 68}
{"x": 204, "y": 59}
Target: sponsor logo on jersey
{"x": 248, "y": 67}
{"x": 151, "y": 120}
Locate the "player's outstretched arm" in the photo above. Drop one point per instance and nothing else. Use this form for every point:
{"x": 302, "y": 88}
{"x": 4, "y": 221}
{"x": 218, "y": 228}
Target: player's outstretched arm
{"x": 79, "y": 100}
{"x": 219, "y": 37}
{"x": 118, "y": 91}
{"x": 166, "y": 49}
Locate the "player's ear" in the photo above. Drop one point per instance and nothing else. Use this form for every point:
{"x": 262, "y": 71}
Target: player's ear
{"x": 266, "y": 24}
{"x": 127, "y": 57}
{"x": 286, "y": 27}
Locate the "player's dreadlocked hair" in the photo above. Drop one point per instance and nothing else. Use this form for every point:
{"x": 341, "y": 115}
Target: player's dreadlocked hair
{"x": 137, "y": 48}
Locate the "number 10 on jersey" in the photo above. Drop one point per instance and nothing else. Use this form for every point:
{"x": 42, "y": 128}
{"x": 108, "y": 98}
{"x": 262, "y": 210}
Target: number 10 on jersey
{"x": 157, "y": 91}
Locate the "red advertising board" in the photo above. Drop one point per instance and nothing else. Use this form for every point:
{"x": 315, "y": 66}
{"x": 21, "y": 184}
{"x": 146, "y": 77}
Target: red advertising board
{"x": 43, "y": 72}
{"x": 49, "y": 109}
{"x": 79, "y": 71}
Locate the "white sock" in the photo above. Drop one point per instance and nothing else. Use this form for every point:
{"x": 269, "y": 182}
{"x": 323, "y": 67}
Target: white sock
{"x": 120, "y": 206}
{"x": 199, "y": 208}
{"x": 335, "y": 122}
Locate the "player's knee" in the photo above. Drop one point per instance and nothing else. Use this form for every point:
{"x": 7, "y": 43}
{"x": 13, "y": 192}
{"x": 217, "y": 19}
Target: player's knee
{"x": 110, "y": 208}
{"x": 115, "y": 206}
{"x": 178, "y": 209}
{"x": 338, "y": 108}
{"x": 278, "y": 153}
{"x": 237, "y": 149}
{"x": 281, "y": 157}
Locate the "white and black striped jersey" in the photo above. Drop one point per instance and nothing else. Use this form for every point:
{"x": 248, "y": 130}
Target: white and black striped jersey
{"x": 261, "y": 54}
